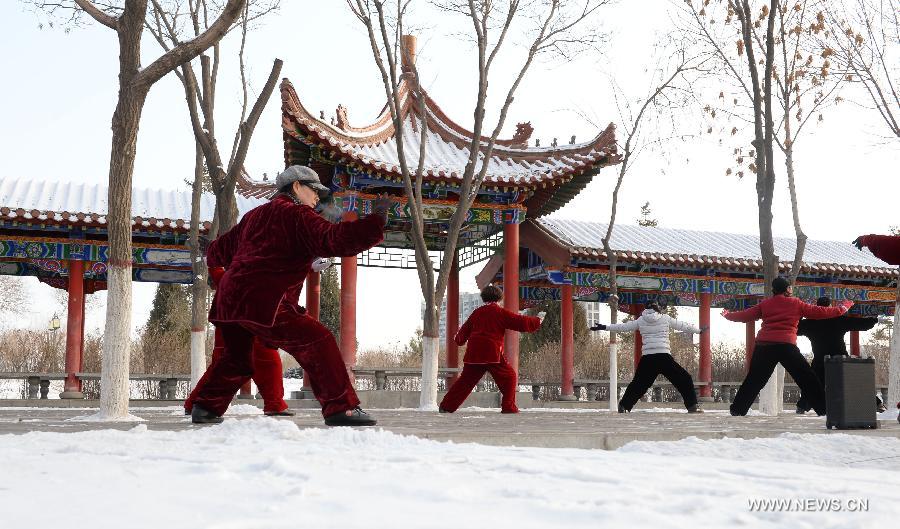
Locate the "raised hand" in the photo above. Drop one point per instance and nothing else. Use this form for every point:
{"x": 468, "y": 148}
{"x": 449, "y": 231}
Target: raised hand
{"x": 381, "y": 205}
{"x": 846, "y": 304}
{"x": 858, "y": 243}
{"x": 320, "y": 264}
{"x": 598, "y": 327}
{"x": 541, "y": 315}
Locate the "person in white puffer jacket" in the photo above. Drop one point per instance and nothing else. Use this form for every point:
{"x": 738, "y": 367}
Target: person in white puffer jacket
{"x": 656, "y": 358}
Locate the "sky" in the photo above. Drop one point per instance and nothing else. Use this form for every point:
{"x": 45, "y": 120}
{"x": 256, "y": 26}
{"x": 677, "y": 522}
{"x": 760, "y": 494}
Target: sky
{"x": 60, "y": 91}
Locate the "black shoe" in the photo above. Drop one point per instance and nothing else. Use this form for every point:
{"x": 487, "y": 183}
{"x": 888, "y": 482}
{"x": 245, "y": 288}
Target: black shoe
{"x": 357, "y": 417}
{"x": 201, "y": 416}
{"x": 442, "y": 410}
{"x": 881, "y": 408}
{"x": 695, "y": 409}
{"x": 622, "y": 409}
{"x": 800, "y": 411}
{"x": 283, "y": 413}
{"x": 187, "y": 412}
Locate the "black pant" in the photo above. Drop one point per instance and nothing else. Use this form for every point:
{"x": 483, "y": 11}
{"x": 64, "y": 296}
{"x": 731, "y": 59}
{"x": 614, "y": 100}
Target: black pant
{"x": 762, "y": 364}
{"x": 818, "y": 367}
{"x": 649, "y": 367}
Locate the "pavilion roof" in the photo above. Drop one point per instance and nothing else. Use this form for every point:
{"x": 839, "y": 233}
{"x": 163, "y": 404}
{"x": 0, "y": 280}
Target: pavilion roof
{"x": 29, "y": 200}
{"x": 693, "y": 248}
{"x": 553, "y": 174}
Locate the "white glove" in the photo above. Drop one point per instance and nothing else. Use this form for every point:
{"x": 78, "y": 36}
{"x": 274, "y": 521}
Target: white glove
{"x": 321, "y": 263}
{"x": 541, "y": 315}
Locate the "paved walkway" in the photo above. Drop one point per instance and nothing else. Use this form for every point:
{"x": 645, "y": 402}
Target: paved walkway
{"x": 541, "y": 427}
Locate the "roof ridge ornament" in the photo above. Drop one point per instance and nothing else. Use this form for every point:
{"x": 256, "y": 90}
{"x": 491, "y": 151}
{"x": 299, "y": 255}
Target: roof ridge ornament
{"x": 522, "y": 135}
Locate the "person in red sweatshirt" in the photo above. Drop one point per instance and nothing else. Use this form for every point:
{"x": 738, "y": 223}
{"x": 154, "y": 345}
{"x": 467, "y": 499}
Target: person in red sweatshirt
{"x": 776, "y": 342}
{"x": 267, "y": 369}
{"x": 484, "y": 331}
{"x": 265, "y": 256}
{"x": 884, "y": 247}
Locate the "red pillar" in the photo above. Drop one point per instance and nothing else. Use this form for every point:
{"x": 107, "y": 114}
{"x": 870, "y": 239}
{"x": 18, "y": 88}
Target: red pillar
{"x": 750, "y": 343}
{"x": 567, "y": 339}
{"x": 313, "y": 289}
{"x": 348, "y": 307}
{"x": 511, "y": 288}
{"x": 854, "y": 343}
{"x": 246, "y": 391}
{"x": 74, "y": 331}
{"x": 452, "y": 320}
{"x": 705, "y": 350}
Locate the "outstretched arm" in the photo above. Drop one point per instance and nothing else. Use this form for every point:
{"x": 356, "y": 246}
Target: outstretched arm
{"x": 815, "y": 312}
{"x": 520, "y": 322}
{"x": 684, "y": 326}
{"x": 859, "y": 324}
{"x": 752, "y": 314}
{"x": 628, "y": 326}
{"x": 324, "y": 239}
{"x": 884, "y": 247}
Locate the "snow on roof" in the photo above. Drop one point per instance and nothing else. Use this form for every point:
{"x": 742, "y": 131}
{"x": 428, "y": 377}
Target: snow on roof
{"x": 726, "y": 249}
{"x": 447, "y": 144}
{"x": 25, "y": 199}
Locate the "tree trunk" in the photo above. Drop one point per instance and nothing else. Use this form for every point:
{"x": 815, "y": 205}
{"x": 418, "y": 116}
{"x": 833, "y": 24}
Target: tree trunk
{"x": 198, "y": 287}
{"x": 117, "y": 334}
{"x": 894, "y": 364}
{"x": 430, "y": 355}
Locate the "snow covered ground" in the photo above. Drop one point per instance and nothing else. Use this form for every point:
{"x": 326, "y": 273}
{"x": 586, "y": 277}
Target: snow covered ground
{"x": 254, "y": 472}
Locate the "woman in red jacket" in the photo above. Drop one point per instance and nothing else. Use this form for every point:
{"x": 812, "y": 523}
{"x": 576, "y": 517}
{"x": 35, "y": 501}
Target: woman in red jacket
{"x": 776, "y": 342}
{"x": 484, "y": 332}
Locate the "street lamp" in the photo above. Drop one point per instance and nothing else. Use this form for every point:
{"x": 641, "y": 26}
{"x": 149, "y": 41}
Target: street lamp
{"x": 54, "y": 323}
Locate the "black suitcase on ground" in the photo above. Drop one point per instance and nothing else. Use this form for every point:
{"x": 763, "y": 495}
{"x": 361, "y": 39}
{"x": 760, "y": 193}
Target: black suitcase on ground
{"x": 850, "y": 392}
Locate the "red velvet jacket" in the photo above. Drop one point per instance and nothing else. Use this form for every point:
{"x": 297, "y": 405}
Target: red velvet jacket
{"x": 485, "y": 328}
{"x": 885, "y": 247}
{"x": 270, "y": 252}
{"x": 780, "y": 315}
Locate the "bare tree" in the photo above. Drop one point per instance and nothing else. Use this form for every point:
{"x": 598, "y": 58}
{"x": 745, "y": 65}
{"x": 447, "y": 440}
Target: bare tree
{"x": 785, "y": 82}
{"x": 670, "y": 90}
{"x": 866, "y": 49}
{"x": 554, "y": 22}
{"x": 127, "y": 20}
{"x": 14, "y": 293}
{"x": 170, "y": 23}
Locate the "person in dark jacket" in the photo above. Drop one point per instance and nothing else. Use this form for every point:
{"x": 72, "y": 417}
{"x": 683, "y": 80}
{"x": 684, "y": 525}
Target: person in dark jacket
{"x": 484, "y": 331}
{"x": 266, "y": 255}
{"x": 776, "y": 342}
{"x": 827, "y": 339}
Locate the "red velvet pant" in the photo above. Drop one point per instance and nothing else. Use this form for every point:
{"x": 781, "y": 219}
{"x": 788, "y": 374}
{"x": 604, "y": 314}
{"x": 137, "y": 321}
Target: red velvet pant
{"x": 304, "y": 338}
{"x": 504, "y": 375}
{"x": 267, "y": 374}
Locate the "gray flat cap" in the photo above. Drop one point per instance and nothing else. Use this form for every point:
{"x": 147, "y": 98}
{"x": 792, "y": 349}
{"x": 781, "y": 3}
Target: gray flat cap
{"x": 302, "y": 174}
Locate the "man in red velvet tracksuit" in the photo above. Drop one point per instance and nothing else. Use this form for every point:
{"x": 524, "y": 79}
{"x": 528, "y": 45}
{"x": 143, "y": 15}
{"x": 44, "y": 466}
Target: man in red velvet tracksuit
{"x": 267, "y": 368}
{"x": 268, "y": 253}
{"x": 484, "y": 332}
{"x": 776, "y": 342}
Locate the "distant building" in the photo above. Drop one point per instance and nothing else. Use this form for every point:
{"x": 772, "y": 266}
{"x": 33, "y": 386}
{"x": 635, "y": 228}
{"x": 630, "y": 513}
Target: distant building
{"x": 468, "y": 302}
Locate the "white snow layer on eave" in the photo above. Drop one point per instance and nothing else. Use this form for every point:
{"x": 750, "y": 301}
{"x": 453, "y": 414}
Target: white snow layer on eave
{"x": 56, "y": 196}
{"x": 693, "y": 242}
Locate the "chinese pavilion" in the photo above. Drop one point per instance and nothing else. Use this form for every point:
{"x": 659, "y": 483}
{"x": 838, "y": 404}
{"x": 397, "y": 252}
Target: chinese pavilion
{"x": 359, "y": 162}
{"x": 564, "y": 260}
{"x": 56, "y": 231}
